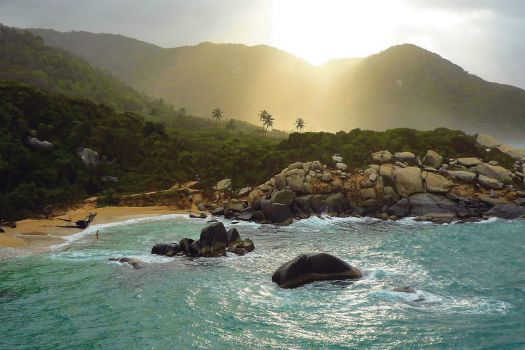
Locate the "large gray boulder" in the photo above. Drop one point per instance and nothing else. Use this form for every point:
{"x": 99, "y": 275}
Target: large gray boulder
{"x": 431, "y": 205}
{"x": 280, "y": 181}
{"x": 281, "y": 214}
{"x": 295, "y": 183}
{"x": 490, "y": 183}
{"x": 40, "y": 145}
{"x": 465, "y": 176}
{"x": 400, "y": 208}
{"x": 507, "y": 211}
{"x": 213, "y": 240}
{"x": 495, "y": 172}
{"x": 307, "y": 268}
{"x": 304, "y": 202}
{"x": 336, "y": 203}
{"x": 382, "y": 156}
{"x": 436, "y": 183}
{"x": 469, "y": 162}
{"x": 408, "y": 180}
{"x": 433, "y": 159}
{"x": 285, "y": 197}
{"x": 406, "y": 157}
{"x": 224, "y": 185}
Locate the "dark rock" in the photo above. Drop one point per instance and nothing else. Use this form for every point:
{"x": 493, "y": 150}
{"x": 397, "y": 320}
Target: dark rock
{"x": 400, "y": 209}
{"x": 319, "y": 203}
{"x": 213, "y": 240}
{"x": 198, "y": 216}
{"x": 520, "y": 201}
{"x": 195, "y": 249}
{"x": 285, "y": 197}
{"x": 185, "y": 245}
{"x": 135, "y": 263}
{"x": 426, "y": 204}
{"x": 244, "y": 216}
{"x": 258, "y": 216}
{"x": 266, "y": 207}
{"x": 404, "y": 289}
{"x": 172, "y": 249}
{"x": 304, "y": 203}
{"x": 281, "y": 214}
{"x": 336, "y": 203}
{"x": 232, "y": 236}
{"x": 2, "y": 230}
{"x": 308, "y": 268}
{"x": 507, "y": 211}
{"x": 201, "y": 207}
{"x": 159, "y": 249}
{"x": 218, "y": 211}
{"x": 248, "y": 245}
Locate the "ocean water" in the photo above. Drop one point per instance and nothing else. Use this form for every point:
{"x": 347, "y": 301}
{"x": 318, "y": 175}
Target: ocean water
{"x": 471, "y": 278}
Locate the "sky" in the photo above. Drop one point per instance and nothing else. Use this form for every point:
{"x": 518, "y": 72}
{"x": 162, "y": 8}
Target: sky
{"x": 487, "y": 38}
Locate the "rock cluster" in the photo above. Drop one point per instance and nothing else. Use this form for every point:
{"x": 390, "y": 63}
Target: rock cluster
{"x": 214, "y": 241}
{"x": 396, "y": 185}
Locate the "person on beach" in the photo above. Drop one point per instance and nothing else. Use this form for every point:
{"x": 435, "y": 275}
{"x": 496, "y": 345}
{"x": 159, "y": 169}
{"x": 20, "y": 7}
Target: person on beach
{"x": 96, "y": 235}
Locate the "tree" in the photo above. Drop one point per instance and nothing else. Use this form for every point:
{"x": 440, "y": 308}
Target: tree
{"x": 299, "y": 124}
{"x": 216, "y": 114}
{"x": 267, "y": 120}
{"x": 230, "y": 124}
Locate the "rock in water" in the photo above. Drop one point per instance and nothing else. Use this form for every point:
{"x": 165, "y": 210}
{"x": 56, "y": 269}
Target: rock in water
{"x": 507, "y": 211}
{"x": 307, "y": 268}
{"x": 213, "y": 240}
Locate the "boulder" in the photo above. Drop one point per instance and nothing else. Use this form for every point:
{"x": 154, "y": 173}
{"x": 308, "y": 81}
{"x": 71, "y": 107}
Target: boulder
{"x": 232, "y": 236}
{"x": 326, "y": 177}
{"x": 489, "y": 183}
{"x": 224, "y": 185}
{"x": 487, "y": 141}
{"x": 368, "y": 193}
{"x": 469, "y": 162}
{"x": 244, "y": 191}
{"x": 235, "y": 205}
{"x": 217, "y": 211}
{"x": 465, "y": 176}
{"x": 408, "y": 180}
{"x": 280, "y": 181}
{"x": 433, "y": 159}
{"x": 307, "y": 268}
{"x": 401, "y": 208}
{"x": 135, "y": 263}
{"x": 285, "y": 197}
{"x": 304, "y": 203}
{"x": 89, "y": 157}
{"x": 295, "y": 183}
{"x": 436, "y": 183}
{"x": 406, "y": 157}
{"x": 387, "y": 174}
{"x": 341, "y": 166}
{"x": 382, "y": 156}
{"x": 198, "y": 216}
{"x": 281, "y": 214}
{"x": 495, "y": 172}
{"x": 266, "y": 206}
{"x": 335, "y": 203}
{"x": 516, "y": 153}
{"x": 248, "y": 245}
{"x": 507, "y": 211}
{"x": 35, "y": 143}
{"x": 159, "y": 249}
{"x": 185, "y": 245}
{"x": 213, "y": 240}
{"x": 296, "y": 165}
{"x": 431, "y": 205}
{"x": 337, "y": 158}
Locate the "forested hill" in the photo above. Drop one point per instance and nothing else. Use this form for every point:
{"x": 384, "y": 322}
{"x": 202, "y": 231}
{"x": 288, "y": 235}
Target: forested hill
{"x": 403, "y": 86}
{"x": 25, "y": 58}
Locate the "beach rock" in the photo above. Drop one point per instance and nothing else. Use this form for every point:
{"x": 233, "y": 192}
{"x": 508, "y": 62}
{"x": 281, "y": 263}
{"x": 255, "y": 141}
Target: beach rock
{"x": 235, "y": 205}
{"x": 244, "y": 191}
{"x": 159, "y": 249}
{"x": 198, "y": 216}
{"x": 387, "y": 174}
{"x": 431, "y": 205}
{"x": 433, "y": 159}
{"x": 487, "y": 141}
{"x": 507, "y": 211}
{"x": 404, "y": 289}
{"x": 489, "y": 183}
{"x": 217, "y": 211}
{"x": 400, "y": 209}
{"x": 307, "y": 268}
{"x": 465, "y": 176}
{"x": 213, "y": 240}
{"x": 436, "y": 183}
{"x": 406, "y": 157}
{"x": 304, "y": 203}
{"x": 185, "y": 245}
{"x": 224, "y": 185}
{"x": 233, "y": 237}
{"x": 281, "y": 214}
{"x": 382, "y": 156}
{"x": 172, "y": 249}
{"x": 408, "y": 180}
{"x": 495, "y": 172}
{"x": 135, "y": 263}
{"x": 285, "y": 197}
{"x": 341, "y": 166}
{"x": 335, "y": 203}
{"x": 248, "y": 245}
{"x": 469, "y": 162}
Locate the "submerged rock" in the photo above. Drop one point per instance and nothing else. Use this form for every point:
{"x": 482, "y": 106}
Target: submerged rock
{"x": 307, "y": 268}
{"x": 135, "y": 263}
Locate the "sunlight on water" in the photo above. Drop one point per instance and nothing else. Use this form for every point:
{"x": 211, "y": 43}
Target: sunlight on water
{"x": 469, "y": 281}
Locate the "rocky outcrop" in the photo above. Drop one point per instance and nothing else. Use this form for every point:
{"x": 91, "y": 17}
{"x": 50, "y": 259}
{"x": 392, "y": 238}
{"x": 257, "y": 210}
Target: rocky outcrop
{"x": 307, "y": 268}
{"x": 408, "y": 180}
{"x": 507, "y": 211}
{"x": 214, "y": 241}
{"x": 89, "y": 157}
{"x": 433, "y": 159}
{"x": 495, "y": 172}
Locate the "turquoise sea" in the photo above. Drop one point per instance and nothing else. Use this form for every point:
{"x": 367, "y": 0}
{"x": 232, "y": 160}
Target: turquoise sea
{"x": 471, "y": 277}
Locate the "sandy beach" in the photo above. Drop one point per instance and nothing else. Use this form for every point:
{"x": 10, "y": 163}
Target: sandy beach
{"x": 38, "y": 235}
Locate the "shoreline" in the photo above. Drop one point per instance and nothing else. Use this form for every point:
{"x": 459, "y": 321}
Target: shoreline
{"x": 37, "y": 235}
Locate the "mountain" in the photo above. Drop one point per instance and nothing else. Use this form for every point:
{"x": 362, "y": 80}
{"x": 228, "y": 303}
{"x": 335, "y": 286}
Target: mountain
{"x": 403, "y": 86}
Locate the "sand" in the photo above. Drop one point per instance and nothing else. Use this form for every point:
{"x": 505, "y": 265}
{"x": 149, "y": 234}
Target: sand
{"x": 37, "y": 235}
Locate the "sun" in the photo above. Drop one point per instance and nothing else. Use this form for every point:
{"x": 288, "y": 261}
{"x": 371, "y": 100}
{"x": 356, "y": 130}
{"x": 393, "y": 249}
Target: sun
{"x": 318, "y": 30}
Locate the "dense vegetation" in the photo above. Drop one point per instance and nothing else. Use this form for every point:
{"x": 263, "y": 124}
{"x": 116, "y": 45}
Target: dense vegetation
{"x": 144, "y": 155}
{"x": 403, "y": 86}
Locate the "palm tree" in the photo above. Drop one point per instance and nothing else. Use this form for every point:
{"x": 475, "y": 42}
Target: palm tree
{"x": 268, "y": 122}
{"x": 216, "y": 114}
{"x": 299, "y": 124}
{"x": 230, "y": 124}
